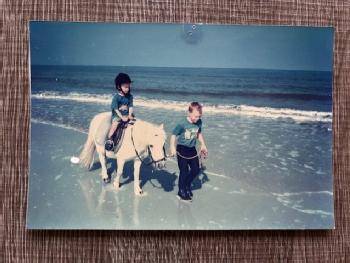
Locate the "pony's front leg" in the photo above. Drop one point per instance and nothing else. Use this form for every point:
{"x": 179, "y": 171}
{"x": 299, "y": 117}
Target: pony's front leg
{"x": 137, "y": 188}
{"x": 120, "y": 168}
{"x": 103, "y": 162}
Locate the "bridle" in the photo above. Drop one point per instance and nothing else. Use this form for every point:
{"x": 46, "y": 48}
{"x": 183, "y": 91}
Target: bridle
{"x": 149, "y": 152}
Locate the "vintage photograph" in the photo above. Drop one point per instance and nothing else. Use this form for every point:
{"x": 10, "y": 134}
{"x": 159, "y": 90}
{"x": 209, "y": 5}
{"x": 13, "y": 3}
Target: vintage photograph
{"x": 180, "y": 126}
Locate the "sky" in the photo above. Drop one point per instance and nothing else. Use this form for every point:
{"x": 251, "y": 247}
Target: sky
{"x": 180, "y": 45}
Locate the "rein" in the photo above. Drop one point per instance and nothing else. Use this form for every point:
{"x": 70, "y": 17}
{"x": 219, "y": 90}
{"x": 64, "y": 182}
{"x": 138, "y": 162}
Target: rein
{"x": 149, "y": 152}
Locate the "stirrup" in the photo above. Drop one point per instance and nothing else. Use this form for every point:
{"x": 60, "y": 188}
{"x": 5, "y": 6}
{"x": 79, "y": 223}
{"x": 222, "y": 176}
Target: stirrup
{"x": 109, "y": 145}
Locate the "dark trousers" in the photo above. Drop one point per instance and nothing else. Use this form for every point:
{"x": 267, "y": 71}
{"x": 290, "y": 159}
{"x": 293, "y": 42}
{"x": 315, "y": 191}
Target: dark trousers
{"x": 189, "y": 168}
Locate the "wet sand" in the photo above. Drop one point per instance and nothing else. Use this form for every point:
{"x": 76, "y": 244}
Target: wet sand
{"x": 63, "y": 195}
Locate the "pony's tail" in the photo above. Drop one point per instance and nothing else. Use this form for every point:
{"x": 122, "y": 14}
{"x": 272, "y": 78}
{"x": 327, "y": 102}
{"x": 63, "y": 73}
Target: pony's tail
{"x": 86, "y": 157}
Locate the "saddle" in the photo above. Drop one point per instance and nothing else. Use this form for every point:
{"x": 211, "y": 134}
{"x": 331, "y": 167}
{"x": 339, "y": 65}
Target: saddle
{"x": 118, "y": 135}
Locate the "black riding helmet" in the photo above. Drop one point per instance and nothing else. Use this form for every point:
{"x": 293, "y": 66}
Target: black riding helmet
{"x": 122, "y": 78}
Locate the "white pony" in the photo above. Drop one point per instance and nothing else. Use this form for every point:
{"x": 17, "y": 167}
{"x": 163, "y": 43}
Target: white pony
{"x": 140, "y": 140}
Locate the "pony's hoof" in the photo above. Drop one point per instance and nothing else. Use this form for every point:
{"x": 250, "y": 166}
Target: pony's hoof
{"x": 106, "y": 180}
{"x": 116, "y": 186}
{"x": 138, "y": 192}
{"x": 91, "y": 166}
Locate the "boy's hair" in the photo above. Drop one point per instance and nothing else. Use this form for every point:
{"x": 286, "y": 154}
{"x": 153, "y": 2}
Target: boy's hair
{"x": 195, "y": 105}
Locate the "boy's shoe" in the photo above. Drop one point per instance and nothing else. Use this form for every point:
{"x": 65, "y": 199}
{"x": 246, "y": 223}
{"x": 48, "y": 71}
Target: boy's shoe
{"x": 189, "y": 192}
{"x": 183, "y": 196}
{"x": 109, "y": 145}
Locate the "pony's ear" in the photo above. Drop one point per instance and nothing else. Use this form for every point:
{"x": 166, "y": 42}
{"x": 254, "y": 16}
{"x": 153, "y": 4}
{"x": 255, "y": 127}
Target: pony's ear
{"x": 162, "y": 126}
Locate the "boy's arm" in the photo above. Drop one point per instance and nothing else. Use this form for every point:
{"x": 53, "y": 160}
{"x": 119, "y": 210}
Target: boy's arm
{"x": 131, "y": 107}
{"x": 123, "y": 118}
{"x": 118, "y": 113}
{"x": 176, "y": 131}
{"x": 173, "y": 145}
{"x": 115, "y": 106}
{"x": 131, "y": 111}
{"x": 203, "y": 145}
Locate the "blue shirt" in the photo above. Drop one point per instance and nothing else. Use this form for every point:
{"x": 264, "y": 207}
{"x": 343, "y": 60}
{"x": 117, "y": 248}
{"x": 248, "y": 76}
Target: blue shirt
{"x": 121, "y": 103}
{"x": 187, "y": 132}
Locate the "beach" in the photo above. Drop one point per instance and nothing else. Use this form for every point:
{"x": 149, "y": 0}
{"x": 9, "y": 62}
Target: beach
{"x": 63, "y": 195}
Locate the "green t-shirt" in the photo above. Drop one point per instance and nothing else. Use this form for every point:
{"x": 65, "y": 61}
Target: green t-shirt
{"x": 187, "y": 132}
{"x": 121, "y": 103}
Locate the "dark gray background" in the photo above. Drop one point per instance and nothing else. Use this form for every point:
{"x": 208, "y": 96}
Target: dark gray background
{"x": 20, "y": 245}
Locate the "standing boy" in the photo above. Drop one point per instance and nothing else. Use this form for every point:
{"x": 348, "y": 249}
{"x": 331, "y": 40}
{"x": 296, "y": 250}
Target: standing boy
{"x": 183, "y": 144}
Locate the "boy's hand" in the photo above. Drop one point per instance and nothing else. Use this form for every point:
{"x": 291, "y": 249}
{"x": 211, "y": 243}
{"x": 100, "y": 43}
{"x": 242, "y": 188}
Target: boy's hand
{"x": 172, "y": 151}
{"x": 204, "y": 152}
{"x": 125, "y": 118}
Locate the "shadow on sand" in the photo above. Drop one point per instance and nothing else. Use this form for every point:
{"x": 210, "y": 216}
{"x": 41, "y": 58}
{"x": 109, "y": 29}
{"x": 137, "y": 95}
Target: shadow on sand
{"x": 161, "y": 179}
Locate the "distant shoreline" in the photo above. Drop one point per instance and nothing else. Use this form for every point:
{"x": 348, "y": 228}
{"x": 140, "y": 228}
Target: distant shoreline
{"x": 238, "y": 69}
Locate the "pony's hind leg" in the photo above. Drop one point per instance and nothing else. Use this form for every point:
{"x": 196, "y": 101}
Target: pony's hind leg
{"x": 137, "y": 188}
{"x": 120, "y": 168}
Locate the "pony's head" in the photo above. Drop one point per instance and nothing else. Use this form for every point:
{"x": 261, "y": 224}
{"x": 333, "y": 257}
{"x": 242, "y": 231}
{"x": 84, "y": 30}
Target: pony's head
{"x": 156, "y": 144}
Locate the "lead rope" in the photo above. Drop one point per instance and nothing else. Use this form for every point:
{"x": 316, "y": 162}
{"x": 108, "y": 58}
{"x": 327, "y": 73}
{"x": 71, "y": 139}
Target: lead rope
{"x": 201, "y": 166}
{"x": 187, "y": 158}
